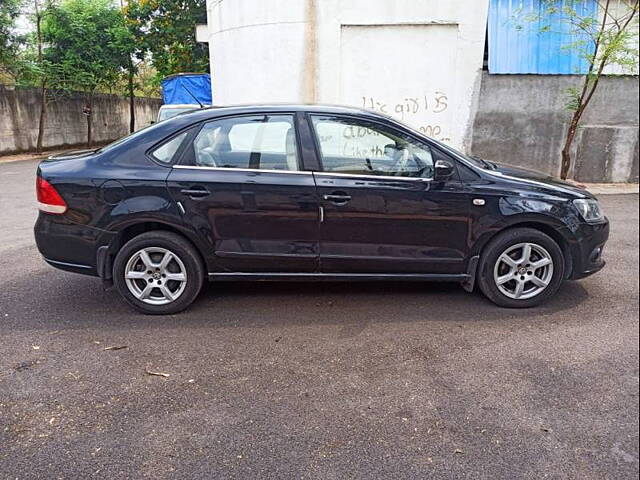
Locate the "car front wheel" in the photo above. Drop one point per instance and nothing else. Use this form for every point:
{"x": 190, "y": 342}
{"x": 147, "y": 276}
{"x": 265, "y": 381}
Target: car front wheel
{"x": 521, "y": 268}
{"x": 158, "y": 272}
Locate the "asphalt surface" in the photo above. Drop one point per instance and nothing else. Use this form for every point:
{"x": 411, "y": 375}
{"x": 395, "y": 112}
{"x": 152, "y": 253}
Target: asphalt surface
{"x": 319, "y": 381}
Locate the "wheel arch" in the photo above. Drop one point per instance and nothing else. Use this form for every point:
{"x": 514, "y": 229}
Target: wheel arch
{"x": 541, "y": 226}
{"x": 132, "y": 230}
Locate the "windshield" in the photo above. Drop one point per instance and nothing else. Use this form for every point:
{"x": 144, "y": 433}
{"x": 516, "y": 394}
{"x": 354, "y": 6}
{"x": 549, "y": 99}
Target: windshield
{"x": 476, "y": 161}
{"x": 171, "y": 112}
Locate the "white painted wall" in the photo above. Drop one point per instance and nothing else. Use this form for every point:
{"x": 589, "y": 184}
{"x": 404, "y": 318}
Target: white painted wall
{"x": 256, "y": 50}
{"x": 417, "y": 60}
{"x": 415, "y": 87}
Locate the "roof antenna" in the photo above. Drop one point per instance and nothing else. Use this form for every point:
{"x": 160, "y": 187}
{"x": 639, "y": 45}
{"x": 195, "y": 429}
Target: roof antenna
{"x": 193, "y": 96}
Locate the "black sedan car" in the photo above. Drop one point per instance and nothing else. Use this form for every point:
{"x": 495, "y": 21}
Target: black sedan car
{"x": 298, "y": 192}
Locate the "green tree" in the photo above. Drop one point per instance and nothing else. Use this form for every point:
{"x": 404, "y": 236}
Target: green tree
{"x": 45, "y": 72}
{"x": 125, "y": 41}
{"x": 10, "y": 41}
{"x": 610, "y": 39}
{"x": 84, "y": 40}
{"x": 23, "y": 59}
{"x": 166, "y": 29}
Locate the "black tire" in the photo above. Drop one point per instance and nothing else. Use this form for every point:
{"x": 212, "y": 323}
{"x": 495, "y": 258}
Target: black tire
{"x": 500, "y": 244}
{"x": 179, "y": 247}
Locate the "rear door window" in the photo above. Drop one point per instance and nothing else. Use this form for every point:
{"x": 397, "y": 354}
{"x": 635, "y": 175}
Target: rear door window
{"x": 261, "y": 142}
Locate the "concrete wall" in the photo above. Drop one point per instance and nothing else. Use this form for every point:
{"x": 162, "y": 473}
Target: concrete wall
{"x": 418, "y": 61}
{"x": 521, "y": 120}
{"x": 66, "y": 125}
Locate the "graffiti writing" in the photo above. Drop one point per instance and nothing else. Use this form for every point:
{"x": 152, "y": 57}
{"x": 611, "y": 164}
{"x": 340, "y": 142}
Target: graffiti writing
{"x": 436, "y": 103}
{"x": 358, "y": 132}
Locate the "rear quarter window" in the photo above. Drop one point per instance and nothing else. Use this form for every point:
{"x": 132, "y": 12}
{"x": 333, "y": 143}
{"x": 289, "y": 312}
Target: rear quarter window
{"x": 165, "y": 152}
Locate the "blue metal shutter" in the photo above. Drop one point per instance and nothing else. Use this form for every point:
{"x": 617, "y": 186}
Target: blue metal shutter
{"x": 517, "y": 45}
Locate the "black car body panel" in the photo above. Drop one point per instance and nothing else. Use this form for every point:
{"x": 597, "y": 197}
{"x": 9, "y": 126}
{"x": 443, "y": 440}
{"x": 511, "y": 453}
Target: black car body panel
{"x": 253, "y": 221}
{"x": 393, "y": 226}
{"x": 278, "y": 223}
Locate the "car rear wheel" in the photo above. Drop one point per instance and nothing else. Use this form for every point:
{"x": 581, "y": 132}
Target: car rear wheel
{"x": 521, "y": 268}
{"x": 158, "y": 272}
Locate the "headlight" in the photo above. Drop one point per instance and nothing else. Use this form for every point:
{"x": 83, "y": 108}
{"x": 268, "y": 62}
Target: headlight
{"x": 589, "y": 209}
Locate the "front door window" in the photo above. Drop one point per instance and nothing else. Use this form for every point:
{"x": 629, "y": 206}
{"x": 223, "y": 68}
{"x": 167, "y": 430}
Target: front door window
{"x": 359, "y": 147}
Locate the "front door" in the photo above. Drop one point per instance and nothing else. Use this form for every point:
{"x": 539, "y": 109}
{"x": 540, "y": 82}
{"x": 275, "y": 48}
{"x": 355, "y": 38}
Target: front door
{"x": 241, "y": 185}
{"x": 382, "y": 210}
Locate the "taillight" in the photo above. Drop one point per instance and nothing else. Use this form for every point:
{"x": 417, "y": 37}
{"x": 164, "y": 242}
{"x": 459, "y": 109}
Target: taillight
{"x": 49, "y": 200}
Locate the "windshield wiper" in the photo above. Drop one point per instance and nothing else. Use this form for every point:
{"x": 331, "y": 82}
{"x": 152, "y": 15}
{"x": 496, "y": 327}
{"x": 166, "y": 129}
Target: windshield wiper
{"x": 489, "y": 166}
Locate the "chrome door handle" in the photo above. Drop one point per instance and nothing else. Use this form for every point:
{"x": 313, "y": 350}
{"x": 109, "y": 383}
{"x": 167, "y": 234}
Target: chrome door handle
{"x": 337, "y": 198}
{"x": 196, "y": 192}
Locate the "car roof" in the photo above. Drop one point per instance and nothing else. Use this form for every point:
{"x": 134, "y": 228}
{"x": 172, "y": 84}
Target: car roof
{"x": 217, "y": 111}
{"x": 168, "y": 106}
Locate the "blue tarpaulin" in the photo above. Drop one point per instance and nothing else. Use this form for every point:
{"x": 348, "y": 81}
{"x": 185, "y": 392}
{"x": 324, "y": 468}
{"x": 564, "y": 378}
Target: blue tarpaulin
{"x": 182, "y": 87}
{"x": 519, "y": 43}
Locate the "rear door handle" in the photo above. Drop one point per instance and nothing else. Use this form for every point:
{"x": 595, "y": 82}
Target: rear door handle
{"x": 196, "y": 192}
{"x": 337, "y": 198}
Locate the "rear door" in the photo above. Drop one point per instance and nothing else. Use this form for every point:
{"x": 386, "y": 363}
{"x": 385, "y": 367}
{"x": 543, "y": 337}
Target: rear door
{"x": 382, "y": 210}
{"x": 241, "y": 186}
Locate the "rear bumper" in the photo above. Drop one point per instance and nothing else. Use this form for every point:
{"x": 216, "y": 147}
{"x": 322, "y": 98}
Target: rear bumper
{"x": 69, "y": 246}
{"x": 587, "y": 250}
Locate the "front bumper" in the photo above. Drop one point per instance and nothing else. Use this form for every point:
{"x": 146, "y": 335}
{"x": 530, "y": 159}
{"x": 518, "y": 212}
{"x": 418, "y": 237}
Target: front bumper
{"x": 587, "y": 249}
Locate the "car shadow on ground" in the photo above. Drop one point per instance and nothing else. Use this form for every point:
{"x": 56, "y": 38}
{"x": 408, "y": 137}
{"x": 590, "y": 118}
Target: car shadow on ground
{"x": 71, "y": 299}
{"x": 379, "y": 298}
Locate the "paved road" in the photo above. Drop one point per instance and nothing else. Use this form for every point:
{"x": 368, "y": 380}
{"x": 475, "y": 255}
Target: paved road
{"x": 324, "y": 381}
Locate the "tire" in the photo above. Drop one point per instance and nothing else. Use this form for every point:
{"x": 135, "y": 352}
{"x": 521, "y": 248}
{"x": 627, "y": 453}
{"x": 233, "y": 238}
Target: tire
{"x": 165, "y": 279}
{"x": 518, "y": 281}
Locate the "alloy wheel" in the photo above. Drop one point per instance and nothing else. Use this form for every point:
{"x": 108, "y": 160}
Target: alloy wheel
{"x": 155, "y": 276}
{"x": 523, "y": 271}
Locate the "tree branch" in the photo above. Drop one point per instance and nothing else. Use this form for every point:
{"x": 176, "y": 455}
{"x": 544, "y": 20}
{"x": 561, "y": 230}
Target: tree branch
{"x": 598, "y": 39}
{"x": 604, "y": 61}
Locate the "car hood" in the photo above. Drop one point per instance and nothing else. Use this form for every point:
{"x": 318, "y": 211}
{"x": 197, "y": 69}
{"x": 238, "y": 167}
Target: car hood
{"x": 541, "y": 180}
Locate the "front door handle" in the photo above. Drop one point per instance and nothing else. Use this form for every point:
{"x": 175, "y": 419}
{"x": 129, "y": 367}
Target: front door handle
{"x": 337, "y": 198}
{"x": 196, "y": 192}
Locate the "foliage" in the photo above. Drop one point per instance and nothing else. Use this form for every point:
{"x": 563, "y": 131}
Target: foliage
{"x": 85, "y": 39}
{"x": 10, "y": 41}
{"x": 94, "y": 45}
{"x": 166, "y": 30}
{"x": 146, "y": 85}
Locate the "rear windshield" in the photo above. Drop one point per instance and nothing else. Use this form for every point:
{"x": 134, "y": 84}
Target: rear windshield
{"x": 171, "y": 112}
{"x": 126, "y": 138}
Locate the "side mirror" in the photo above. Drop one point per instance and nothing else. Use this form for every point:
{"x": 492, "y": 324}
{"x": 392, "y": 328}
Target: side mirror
{"x": 443, "y": 170}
